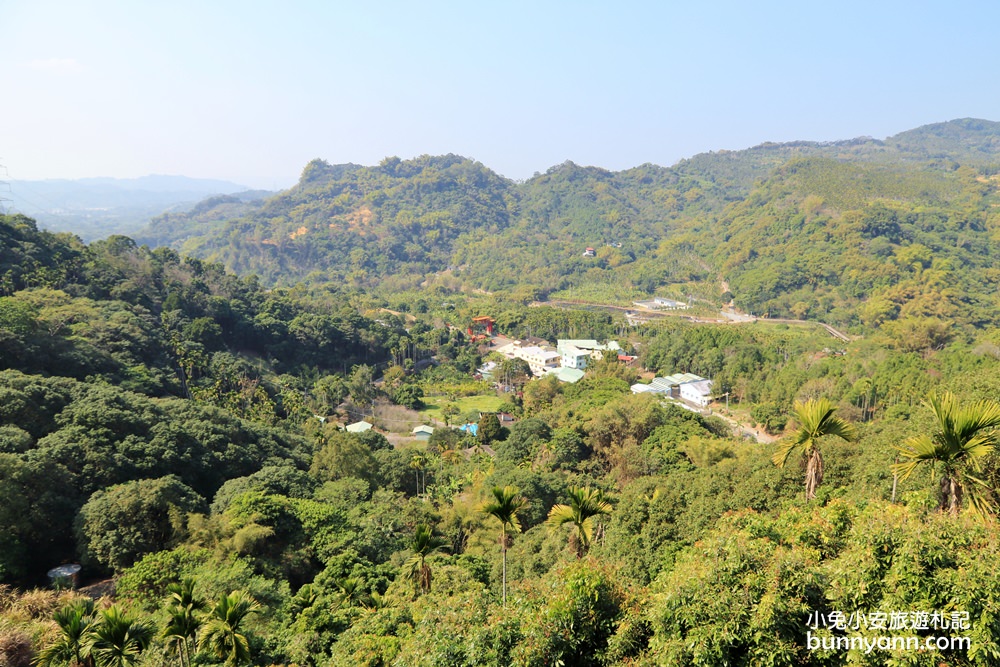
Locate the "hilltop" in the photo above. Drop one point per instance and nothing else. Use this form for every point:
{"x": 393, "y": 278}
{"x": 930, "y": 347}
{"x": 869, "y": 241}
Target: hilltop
{"x": 840, "y": 231}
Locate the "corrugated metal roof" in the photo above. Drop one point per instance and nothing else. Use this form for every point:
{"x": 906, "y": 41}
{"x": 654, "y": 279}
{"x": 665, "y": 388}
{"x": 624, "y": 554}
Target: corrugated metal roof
{"x": 358, "y": 427}
{"x": 704, "y": 387}
{"x": 566, "y": 374}
{"x": 681, "y": 378}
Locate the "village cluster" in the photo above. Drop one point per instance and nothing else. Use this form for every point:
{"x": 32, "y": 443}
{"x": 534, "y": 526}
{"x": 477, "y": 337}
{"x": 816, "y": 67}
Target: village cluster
{"x": 567, "y": 360}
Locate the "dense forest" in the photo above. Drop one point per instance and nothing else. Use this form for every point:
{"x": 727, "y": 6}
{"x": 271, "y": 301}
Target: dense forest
{"x": 174, "y": 416}
{"x": 855, "y": 233}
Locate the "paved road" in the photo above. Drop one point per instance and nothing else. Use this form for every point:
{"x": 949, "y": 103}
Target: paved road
{"x": 725, "y": 317}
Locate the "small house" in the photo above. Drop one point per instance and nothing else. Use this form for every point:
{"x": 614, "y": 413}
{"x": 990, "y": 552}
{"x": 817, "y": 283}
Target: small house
{"x": 664, "y": 303}
{"x": 423, "y": 432}
{"x": 699, "y": 392}
{"x": 358, "y": 427}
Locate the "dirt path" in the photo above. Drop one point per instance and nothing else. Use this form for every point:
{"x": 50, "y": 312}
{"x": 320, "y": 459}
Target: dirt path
{"x": 743, "y": 431}
{"x": 739, "y": 429}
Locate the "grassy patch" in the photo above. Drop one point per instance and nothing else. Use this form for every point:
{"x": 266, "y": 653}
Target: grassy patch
{"x": 480, "y": 403}
{"x": 616, "y": 294}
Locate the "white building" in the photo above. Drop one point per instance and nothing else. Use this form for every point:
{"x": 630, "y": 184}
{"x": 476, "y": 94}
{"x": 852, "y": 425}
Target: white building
{"x": 358, "y": 427}
{"x": 576, "y": 351}
{"x": 539, "y": 358}
{"x": 685, "y": 386}
{"x": 664, "y": 303}
{"x": 573, "y": 357}
{"x": 699, "y": 393}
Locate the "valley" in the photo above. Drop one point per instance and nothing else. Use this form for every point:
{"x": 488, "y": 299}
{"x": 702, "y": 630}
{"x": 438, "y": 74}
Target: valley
{"x": 418, "y": 413}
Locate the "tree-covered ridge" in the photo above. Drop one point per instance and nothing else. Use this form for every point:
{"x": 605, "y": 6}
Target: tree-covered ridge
{"x": 362, "y": 223}
{"x": 175, "y": 228}
{"x": 178, "y": 427}
{"x": 793, "y": 229}
{"x": 161, "y": 324}
{"x": 966, "y": 140}
{"x": 866, "y": 244}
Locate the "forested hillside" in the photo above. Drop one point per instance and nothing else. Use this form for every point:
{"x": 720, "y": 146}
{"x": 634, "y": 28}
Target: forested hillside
{"x": 790, "y": 229}
{"x": 100, "y": 344}
{"x": 269, "y": 470}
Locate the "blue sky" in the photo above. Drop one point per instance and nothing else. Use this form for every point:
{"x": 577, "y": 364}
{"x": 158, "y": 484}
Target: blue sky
{"x": 251, "y": 91}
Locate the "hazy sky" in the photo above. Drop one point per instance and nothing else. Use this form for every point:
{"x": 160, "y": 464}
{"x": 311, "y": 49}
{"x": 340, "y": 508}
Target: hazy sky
{"x": 251, "y": 91}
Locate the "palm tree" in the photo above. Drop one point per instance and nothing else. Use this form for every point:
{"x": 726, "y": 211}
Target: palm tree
{"x": 349, "y": 592}
{"x": 117, "y": 639}
{"x": 816, "y": 420}
{"x": 182, "y": 628}
{"x": 222, "y": 635}
{"x": 182, "y": 595}
{"x": 74, "y": 621}
{"x": 584, "y": 505}
{"x": 963, "y": 437}
{"x": 423, "y": 545}
{"x": 417, "y": 464}
{"x": 506, "y": 503}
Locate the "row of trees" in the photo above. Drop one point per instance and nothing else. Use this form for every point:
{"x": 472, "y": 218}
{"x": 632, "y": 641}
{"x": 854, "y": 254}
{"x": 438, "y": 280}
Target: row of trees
{"x": 964, "y": 436}
{"x": 114, "y": 637}
{"x": 585, "y": 504}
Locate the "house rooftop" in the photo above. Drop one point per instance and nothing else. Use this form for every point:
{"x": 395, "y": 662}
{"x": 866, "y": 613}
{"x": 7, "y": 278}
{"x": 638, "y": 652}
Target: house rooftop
{"x": 703, "y": 387}
{"x": 588, "y": 344}
{"x": 565, "y": 374}
{"x": 358, "y": 427}
{"x": 678, "y": 378}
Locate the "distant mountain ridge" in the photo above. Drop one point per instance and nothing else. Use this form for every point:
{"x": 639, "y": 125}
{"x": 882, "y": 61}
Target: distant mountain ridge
{"x": 739, "y": 218}
{"x": 98, "y": 207}
{"x": 150, "y": 183}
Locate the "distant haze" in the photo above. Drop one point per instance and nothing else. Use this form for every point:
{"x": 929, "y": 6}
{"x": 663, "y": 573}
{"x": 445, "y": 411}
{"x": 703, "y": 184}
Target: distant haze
{"x": 96, "y": 207}
{"x": 251, "y": 92}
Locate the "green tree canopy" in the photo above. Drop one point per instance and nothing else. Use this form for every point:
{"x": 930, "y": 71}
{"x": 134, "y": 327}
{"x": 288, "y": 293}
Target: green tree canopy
{"x": 120, "y": 524}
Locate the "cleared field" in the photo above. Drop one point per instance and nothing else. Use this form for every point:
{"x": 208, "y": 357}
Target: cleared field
{"x": 482, "y": 403}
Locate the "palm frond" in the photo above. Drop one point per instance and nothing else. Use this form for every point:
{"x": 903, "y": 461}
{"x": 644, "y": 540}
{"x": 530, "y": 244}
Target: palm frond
{"x": 964, "y": 436}
{"x": 980, "y": 494}
{"x": 785, "y": 451}
{"x": 560, "y": 514}
{"x": 840, "y": 428}
{"x": 917, "y": 450}
{"x": 585, "y": 504}
{"x": 815, "y": 418}
{"x": 222, "y": 633}
{"x": 118, "y": 639}
{"x": 506, "y": 503}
